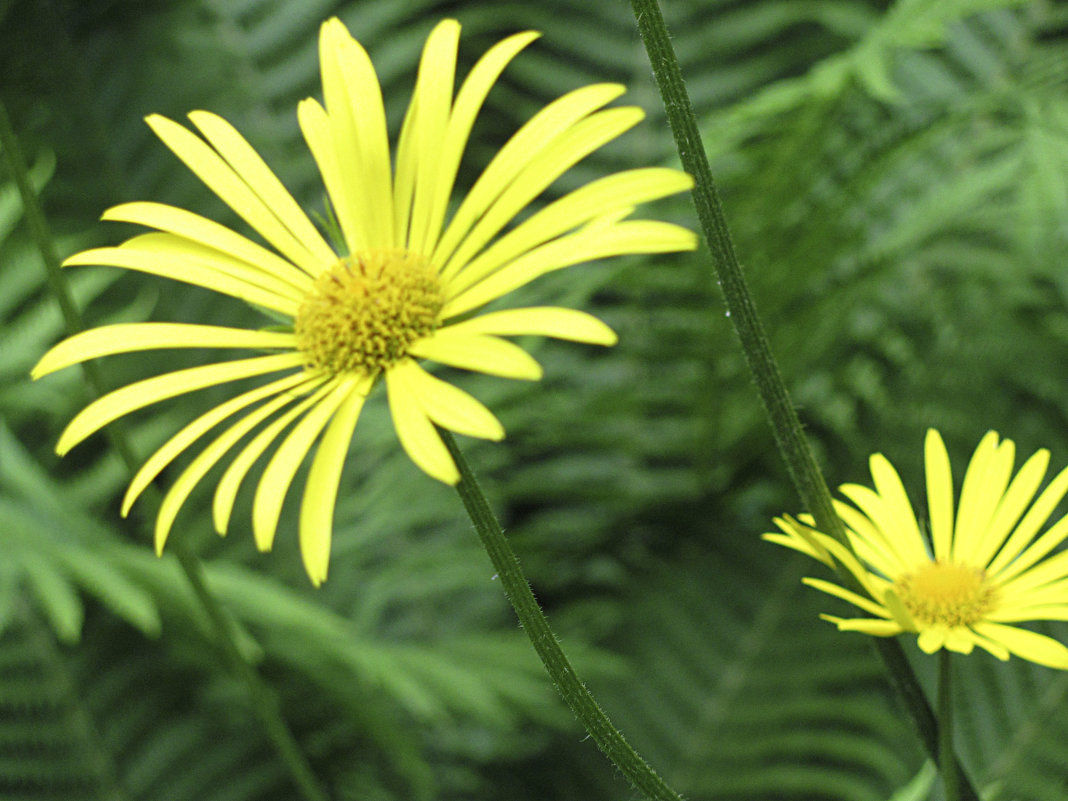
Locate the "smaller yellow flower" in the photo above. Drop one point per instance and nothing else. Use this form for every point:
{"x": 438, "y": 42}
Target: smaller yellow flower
{"x": 963, "y": 585}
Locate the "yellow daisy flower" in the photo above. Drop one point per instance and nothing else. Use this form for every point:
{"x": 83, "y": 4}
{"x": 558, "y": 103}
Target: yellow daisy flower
{"x": 405, "y": 289}
{"x": 965, "y": 584}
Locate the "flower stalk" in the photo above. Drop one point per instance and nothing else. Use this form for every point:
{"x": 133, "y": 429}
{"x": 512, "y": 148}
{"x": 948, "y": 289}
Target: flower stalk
{"x": 789, "y": 435}
{"x": 950, "y": 781}
{"x": 264, "y": 700}
{"x": 567, "y": 683}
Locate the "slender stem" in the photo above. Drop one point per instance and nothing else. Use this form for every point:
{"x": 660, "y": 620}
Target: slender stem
{"x": 534, "y": 623}
{"x": 789, "y": 435}
{"x": 947, "y": 760}
{"x": 264, "y": 701}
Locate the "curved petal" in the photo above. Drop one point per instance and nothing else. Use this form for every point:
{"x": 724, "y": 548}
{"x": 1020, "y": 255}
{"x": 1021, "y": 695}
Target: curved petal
{"x": 448, "y": 406}
{"x": 1025, "y": 532}
{"x": 232, "y": 189}
{"x": 283, "y": 465}
{"x": 152, "y": 390}
{"x": 847, "y": 595}
{"x": 537, "y": 133}
{"x": 170, "y": 450}
{"x": 244, "y": 284}
{"x": 900, "y": 522}
{"x": 939, "y": 494}
{"x": 607, "y": 195}
{"x": 932, "y": 639}
{"x": 478, "y": 352}
{"x": 230, "y": 483}
{"x": 108, "y": 340}
{"x": 592, "y": 242}
{"x": 469, "y": 100}
{"x": 320, "y": 490}
{"x": 866, "y": 625}
{"x": 362, "y": 190}
{"x": 974, "y": 502}
{"x": 416, "y": 433}
{"x": 544, "y": 168}
{"x": 1015, "y": 500}
{"x": 424, "y": 134}
{"x": 1037, "y": 648}
{"x": 546, "y": 321}
{"x": 211, "y": 234}
{"x": 207, "y": 458}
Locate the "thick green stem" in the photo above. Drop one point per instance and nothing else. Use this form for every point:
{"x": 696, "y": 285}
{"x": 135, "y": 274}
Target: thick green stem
{"x": 534, "y": 623}
{"x": 946, "y": 757}
{"x": 264, "y": 700}
{"x": 789, "y": 435}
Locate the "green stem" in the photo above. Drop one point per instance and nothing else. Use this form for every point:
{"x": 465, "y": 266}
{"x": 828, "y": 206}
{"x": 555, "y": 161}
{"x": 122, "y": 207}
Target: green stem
{"x": 947, "y": 760}
{"x": 264, "y": 701}
{"x": 789, "y": 435}
{"x": 534, "y": 623}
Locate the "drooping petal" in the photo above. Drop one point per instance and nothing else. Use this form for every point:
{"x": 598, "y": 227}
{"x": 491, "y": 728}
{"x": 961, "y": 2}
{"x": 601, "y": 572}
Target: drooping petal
{"x": 359, "y": 184}
{"x": 606, "y": 195}
{"x": 847, "y": 595}
{"x": 1030, "y": 645}
{"x": 108, "y": 340}
{"x": 235, "y": 281}
{"x": 581, "y": 140}
{"x": 211, "y": 234}
{"x": 320, "y": 491}
{"x": 209, "y": 457}
{"x": 866, "y": 625}
{"x": 232, "y": 188}
{"x": 449, "y": 406}
{"x": 546, "y": 321}
{"x": 416, "y": 432}
{"x": 478, "y": 352}
{"x": 252, "y": 169}
{"x": 170, "y": 450}
{"x": 152, "y": 390}
{"x": 939, "y": 494}
{"x": 932, "y": 638}
{"x": 537, "y": 133}
{"x": 592, "y": 242}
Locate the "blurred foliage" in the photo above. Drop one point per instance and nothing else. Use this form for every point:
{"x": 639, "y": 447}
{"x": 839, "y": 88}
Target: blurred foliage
{"x": 896, "y": 175}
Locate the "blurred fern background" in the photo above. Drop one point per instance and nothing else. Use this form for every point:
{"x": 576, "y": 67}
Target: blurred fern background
{"x": 896, "y": 175}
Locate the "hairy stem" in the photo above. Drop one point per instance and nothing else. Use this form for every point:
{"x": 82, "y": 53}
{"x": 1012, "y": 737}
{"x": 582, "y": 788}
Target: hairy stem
{"x": 789, "y": 435}
{"x": 534, "y": 623}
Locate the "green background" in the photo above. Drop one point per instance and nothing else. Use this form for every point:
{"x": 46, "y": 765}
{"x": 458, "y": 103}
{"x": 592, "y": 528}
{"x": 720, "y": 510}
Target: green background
{"x": 896, "y": 178}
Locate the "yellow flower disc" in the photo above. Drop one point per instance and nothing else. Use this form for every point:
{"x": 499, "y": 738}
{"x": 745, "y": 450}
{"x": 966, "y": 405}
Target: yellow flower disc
{"x": 946, "y": 594}
{"x": 366, "y": 310}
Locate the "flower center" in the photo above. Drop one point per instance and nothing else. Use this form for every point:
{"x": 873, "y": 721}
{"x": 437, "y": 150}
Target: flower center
{"x": 946, "y": 594}
{"x": 366, "y": 310}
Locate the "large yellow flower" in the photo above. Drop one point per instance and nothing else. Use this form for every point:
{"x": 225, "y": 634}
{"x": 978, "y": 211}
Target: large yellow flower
{"x": 963, "y": 585}
{"x": 404, "y": 289}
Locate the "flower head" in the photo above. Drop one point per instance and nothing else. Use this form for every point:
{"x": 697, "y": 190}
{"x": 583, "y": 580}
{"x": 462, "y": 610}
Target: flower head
{"x": 974, "y": 576}
{"x": 403, "y": 289}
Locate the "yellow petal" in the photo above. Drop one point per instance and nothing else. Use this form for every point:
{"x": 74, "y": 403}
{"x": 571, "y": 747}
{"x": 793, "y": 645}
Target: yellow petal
{"x": 128, "y": 337}
{"x": 361, "y": 190}
{"x": 538, "y": 132}
{"x": 1015, "y": 500}
{"x": 478, "y": 352}
{"x": 167, "y": 452}
{"x": 416, "y": 433}
{"x": 866, "y": 625}
{"x": 847, "y": 595}
{"x": 152, "y": 390}
{"x": 612, "y": 193}
{"x": 1037, "y": 648}
{"x": 211, "y": 234}
{"x": 971, "y": 510}
{"x": 544, "y": 168}
{"x": 232, "y": 188}
{"x": 469, "y": 100}
{"x": 881, "y": 529}
{"x": 207, "y": 458}
{"x": 230, "y": 483}
{"x": 592, "y": 242}
{"x": 939, "y": 494}
{"x": 932, "y": 639}
{"x": 1003, "y": 565}
{"x": 448, "y": 406}
{"x": 546, "y": 321}
{"x": 320, "y": 491}
{"x": 900, "y": 519}
{"x": 278, "y": 475}
{"x": 185, "y": 268}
